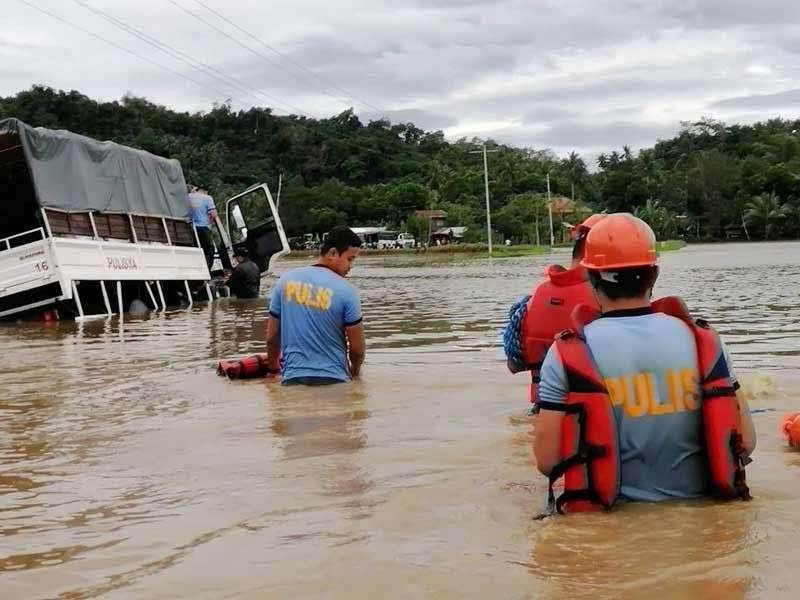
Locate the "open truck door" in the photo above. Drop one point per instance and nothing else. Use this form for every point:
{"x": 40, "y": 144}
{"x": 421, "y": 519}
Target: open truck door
{"x": 253, "y": 222}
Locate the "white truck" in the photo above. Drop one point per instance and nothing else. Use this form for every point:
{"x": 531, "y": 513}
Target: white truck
{"x": 89, "y": 226}
{"x": 393, "y": 239}
{"x": 405, "y": 240}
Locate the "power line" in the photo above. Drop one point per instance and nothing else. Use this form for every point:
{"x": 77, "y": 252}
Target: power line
{"x": 200, "y": 66}
{"x": 230, "y": 37}
{"x": 156, "y": 63}
{"x": 203, "y": 68}
{"x": 348, "y": 96}
{"x": 226, "y": 34}
{"x": 117, "y": 46}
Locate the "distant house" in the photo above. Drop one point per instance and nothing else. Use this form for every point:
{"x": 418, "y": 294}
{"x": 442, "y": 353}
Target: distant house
{"x": 436, "y": 219}
{"x": 448, "y": 235}
{"x": 567, "y": 213}
{"x": 733, "y": 232}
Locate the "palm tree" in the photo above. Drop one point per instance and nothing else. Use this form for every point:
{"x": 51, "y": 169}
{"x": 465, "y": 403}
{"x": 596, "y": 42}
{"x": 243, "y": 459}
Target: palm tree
{"x": 764, "y": 212}
{"x": 658, "y": 217}
{"x": 793, "y": 218}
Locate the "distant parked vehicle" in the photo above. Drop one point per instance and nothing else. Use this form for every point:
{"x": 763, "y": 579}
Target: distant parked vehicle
{"x": 394, "y": 239}
{"x": 387, "y": 239}
{"x": 405, "y": 240}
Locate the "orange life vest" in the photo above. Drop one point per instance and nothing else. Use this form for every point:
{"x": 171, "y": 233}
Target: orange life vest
{"x": 591, "y": 464}
{"x": 548, "y": 312}
{"x": 248, "y": 367}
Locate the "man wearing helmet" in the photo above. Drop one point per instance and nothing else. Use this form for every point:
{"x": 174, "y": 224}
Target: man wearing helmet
{"x": 647, "y": 362}
{"x": 537, "y": 318}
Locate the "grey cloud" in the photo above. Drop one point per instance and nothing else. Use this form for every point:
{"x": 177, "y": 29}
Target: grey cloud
{"x": 593, "y": 135}
{"x": 326, "y": 53}
{"x": 789, "y": 98}
{"x": 623, "y": 96}
{"x": 384, "y": 78}
{"x": 568, "y": 74}
{"x": 423, "y": 119}
{"x": 549, "y": 112}
{"x": 718, "y": 14}
{"x": 22, "y": 73}
{"x": 566, "y": 136}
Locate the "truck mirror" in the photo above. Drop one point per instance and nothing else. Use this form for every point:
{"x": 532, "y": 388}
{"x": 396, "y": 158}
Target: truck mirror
{"x": 237, "y": 217}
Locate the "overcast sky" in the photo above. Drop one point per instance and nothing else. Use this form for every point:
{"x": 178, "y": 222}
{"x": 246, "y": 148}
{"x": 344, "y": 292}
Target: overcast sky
{"x": 585, "y": 75}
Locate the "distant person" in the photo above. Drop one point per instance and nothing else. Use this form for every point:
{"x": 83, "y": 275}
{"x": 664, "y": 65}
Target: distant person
{"x": 204, "y": 212}
{"x": 245, "y": 280}
{"x": 314, "y": 330}
{"x": 538, "y": 317}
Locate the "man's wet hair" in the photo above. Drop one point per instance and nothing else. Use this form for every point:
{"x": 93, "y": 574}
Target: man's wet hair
{"x": 341, "y": 238}
{"x": 624, "y": 283}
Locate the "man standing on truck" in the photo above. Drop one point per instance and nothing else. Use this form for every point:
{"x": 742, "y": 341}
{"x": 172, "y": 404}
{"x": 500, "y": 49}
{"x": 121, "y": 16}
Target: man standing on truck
{"x": 314, "y": 330}
{"x": 204, "y": 212}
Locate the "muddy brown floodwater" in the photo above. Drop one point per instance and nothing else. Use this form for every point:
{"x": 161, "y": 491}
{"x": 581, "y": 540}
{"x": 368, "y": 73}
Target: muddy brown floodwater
{"x": 128, "y": 469}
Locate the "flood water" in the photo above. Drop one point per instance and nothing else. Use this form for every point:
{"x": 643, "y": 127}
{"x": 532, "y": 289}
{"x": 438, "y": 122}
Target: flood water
{"x": 128, "y": 469}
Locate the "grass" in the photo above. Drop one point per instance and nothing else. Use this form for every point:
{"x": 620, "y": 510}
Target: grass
{"x": 670, "y": 245}
{"x": 477, "y": 250}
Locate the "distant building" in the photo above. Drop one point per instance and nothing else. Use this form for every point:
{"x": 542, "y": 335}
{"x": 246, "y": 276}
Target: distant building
{"x": 448, "y": 235}
{"x": 567, "y": 213}
{"x": 436, "y": 219}
{"x": 369, "y": 235}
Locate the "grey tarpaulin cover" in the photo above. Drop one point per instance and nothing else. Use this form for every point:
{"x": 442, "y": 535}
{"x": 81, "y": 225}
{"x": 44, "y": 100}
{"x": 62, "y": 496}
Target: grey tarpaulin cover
{"x": 76, "y": 173}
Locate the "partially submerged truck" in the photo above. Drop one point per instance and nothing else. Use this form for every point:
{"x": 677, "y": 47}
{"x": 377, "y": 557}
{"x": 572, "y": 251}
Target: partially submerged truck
{"x": 87, "y": 227}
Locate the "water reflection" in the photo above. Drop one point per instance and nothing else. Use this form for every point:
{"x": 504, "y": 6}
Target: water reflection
{"x": 638, "y": 552}
{"x": 129, "y": 469}
{"x": 325, "y": 429}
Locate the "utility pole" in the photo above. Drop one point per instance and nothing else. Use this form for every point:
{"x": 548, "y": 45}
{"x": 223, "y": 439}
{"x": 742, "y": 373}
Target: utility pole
{"x": 280, "y": 180}
{"x": 486, "y": 185}
{"x": 550, "y": 211}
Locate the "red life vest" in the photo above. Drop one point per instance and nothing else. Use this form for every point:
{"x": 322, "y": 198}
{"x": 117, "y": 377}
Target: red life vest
{"x": 591, "y": 464}
{"x": 549, "y": 311}
{"x": 248, "y": 367}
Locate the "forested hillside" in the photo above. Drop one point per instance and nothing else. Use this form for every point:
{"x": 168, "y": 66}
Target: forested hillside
{"x": 709, "y": 181}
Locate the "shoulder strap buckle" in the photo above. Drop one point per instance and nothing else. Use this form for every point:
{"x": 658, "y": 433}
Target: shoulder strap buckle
{"x": 566, "y": 334}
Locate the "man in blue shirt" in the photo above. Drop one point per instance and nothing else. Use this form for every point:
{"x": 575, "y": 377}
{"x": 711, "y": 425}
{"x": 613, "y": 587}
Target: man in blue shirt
{"x": 314, "y": 330}
{"x": 204, "y": 212}
{"x": 649, "y": 365}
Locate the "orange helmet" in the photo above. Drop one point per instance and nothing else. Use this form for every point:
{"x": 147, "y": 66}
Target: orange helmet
{"x": 619, "y": 241}
{"x": 589, "y": 222}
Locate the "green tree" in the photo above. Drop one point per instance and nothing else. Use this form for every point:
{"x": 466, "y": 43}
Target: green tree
{"x": 377, "y": 173}
{"x": 518, "y": 219}
{"x": 765, "y": 212}
{"x": 322, "y": 220}
{"x": 664, "y": 224}
{"x": 418, "y": 227}
{"x": 463, "y": 214}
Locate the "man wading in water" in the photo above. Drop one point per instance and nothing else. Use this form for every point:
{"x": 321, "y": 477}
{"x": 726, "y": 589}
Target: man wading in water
{"x": 537, "y": 318}
{"x": 642, "y": 370}
{"x": 314, "y": 330}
